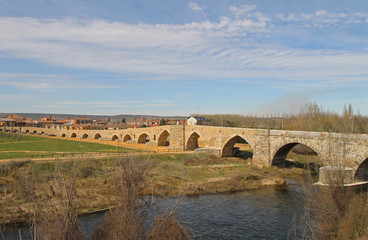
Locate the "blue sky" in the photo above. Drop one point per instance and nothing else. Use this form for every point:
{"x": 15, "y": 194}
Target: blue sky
{"x": 170, "y": 57}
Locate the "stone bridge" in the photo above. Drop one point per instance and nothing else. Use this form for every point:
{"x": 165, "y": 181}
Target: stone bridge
{"x": 269, "y": 146}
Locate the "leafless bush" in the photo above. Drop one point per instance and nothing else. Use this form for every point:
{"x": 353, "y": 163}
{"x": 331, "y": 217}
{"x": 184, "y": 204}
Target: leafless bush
{"x": 127, "y": 219}
{"x": 55, "y": 217}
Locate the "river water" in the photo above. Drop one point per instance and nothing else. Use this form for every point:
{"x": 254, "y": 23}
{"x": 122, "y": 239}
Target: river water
{"x": 265, "y": 213}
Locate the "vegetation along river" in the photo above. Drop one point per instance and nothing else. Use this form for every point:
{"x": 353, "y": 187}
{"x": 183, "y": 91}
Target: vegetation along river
{"x": 264, "y": 213}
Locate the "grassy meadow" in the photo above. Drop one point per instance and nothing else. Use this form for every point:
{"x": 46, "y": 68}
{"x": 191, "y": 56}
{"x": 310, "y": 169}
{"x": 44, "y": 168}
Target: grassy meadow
{"x": 14, "y": 146}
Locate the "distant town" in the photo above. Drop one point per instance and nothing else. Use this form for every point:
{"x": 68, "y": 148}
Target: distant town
{"x": 87, "y": 123}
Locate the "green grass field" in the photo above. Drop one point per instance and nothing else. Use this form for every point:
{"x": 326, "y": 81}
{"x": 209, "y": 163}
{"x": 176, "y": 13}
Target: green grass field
{"x": 25, "y": 146}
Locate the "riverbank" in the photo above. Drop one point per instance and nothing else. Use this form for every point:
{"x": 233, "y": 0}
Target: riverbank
{"x": 96, "y": 182}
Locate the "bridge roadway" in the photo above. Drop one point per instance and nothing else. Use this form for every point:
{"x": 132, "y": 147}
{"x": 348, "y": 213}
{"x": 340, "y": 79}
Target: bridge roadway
{"x": 269, "y": 146}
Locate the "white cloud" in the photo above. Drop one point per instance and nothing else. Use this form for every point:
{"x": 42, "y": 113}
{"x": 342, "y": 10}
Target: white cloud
{"x": 194, "y": 7}
{"x": 115, "y": 104}
{"x": 224, "y": 49}
{"x": 239, "y": 11}
{"x": 45, "y": 82}
{"x": 324, "y": 18}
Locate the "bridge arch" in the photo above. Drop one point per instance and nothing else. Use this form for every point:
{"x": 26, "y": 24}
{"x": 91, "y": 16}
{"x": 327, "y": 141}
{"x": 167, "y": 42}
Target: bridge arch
{"x": 127, "y": 137}
{"x": 114, "y": 137}
{"x": 163, "y": 139}
{"x": 192, "y": 142}
{"x": 361, "y": 172}
{"x": 74, "y": 135}
{"x": 63, "y": 135}
{"x": 97, "y": 136}
{"x": 229, "y": 150}
{"x": 15, "y": 131}
{"x": 279, "y": 158}
{"x": 42, "y": 133}
{"x": 26, "y": 131}
{"x": 85, "y": 135}
{"x": 143, "y": 138}
{"x": 34, "y": 132}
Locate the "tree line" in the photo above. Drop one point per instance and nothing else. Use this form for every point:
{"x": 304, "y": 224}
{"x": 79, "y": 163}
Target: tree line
{"x": 311, "y": 117}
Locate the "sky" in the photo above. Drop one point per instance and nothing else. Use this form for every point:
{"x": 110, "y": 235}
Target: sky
{"x": 178, "y": 57}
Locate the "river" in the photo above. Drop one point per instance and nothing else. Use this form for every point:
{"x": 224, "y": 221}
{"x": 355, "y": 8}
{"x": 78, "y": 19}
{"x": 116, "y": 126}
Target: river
{"x": 264, "y": 213}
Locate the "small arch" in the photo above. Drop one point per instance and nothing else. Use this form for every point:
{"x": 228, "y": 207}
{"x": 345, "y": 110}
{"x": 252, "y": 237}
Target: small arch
{"x": 143, "y": 138}
{"x": 27, "y": 131}
{"x": 15, "y": 131}
{"x": 192, "y": 142}
{"x": 163, "y": 139}
{"x": 114, "y": 137}
{"x": 243, "y": 149}
{"x": 296, "y": 148}
{"x": 74, "y": 135}
{"x": 361, "y": 173}
{"x": 85, "y": 135}
{"x": 34, "y": 132}
{"x": 63, "y": 135}
{"x": 97, "y": 136}
{"x": 127, "y": 137}
{"x": 42, "y": 133}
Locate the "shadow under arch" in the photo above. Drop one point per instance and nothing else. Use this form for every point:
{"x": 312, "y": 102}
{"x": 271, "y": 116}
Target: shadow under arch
{"x": 34, "y": 132}
{"x": 362, "y": 171}
{"x": 127, "y": 137}
{"x": 74, "y": 135}
{"x": 97, "y": 136}
{"x": 85, "y": 135}
{"x": 143, "y": 138}
{"x": 163, "y": 139}
{"x": 27, "y": 131}
{"x": 229, "y": 149}
{"x": 114, "y": 137}
{"x": 63, "y": 135}
{"x": 192, "y": 142}
{"x": 280, "y": 157}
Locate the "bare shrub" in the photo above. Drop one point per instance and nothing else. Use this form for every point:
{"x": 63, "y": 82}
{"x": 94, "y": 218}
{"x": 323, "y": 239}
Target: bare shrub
{"x": 127, "y": 219}
{"x": 55, "y": 217}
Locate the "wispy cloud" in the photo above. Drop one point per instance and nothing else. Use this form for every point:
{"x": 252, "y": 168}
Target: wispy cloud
{"x": 228, "y": 48}
{"x": 116, "y": 104}
{"x": 324, "y": 18}
{"x": 194, "y": 7}
{"x": 46, "y": 82}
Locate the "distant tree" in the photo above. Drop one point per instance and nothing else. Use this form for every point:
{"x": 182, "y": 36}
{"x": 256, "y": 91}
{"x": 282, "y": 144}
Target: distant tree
{"x": 123, "y": 120}
{"x": 143, "y": 126}
{"x": 108, "y": 119}
{"x": 162, "y": 122}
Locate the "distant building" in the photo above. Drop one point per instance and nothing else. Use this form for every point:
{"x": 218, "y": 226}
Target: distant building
{"x": 79, "y": 121}
{"x": 196, "y": 121}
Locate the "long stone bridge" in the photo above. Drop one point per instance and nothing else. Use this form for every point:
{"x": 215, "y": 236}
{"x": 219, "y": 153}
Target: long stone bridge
{"x": 269, "y": 146}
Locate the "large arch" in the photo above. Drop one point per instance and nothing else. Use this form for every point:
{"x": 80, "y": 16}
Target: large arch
{"x": 127, "y": 137}
{"x": 74, "y": 135}
{"x": 85, "y": 135}
{"x": 63, "y": 135}
{"x": 192, "y": 142}
{"x": 362, "y": 171}
{"x": 229, "y": 149}
{"x": 97, "y": 136}
{"x": 163, "y": 139}
{"x": 143, "y": 138}
{"x": 279, "y": 159}
{"x": 114, "y": 137}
